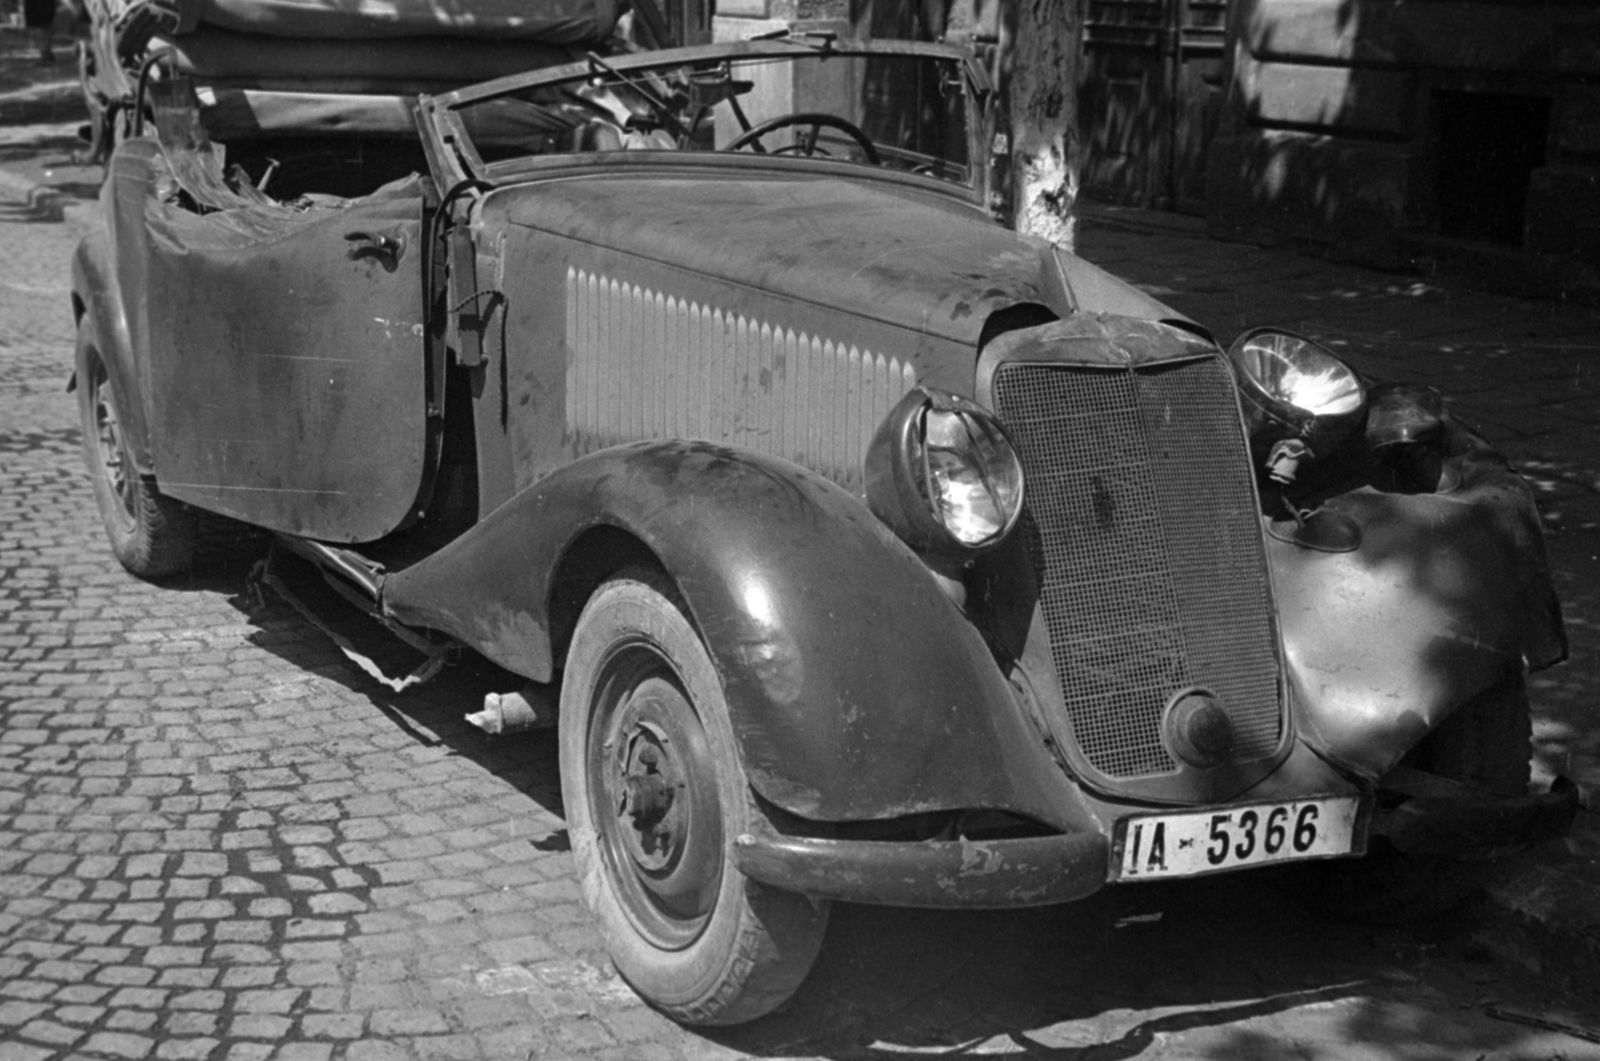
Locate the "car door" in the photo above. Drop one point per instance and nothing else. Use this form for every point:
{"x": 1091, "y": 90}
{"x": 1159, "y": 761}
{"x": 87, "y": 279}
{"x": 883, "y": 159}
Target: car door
{"x": 287, "y": 363}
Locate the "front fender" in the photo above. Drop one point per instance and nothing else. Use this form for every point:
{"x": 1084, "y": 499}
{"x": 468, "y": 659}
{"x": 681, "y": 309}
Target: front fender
{"x": 94, "y": 283}
{"x": 1446, "y": 592}
{"x": 857, "y": 690}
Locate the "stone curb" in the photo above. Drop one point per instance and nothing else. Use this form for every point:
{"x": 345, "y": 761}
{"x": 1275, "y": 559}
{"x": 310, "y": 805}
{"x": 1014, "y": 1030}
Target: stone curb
{"x": 53, "y": 204}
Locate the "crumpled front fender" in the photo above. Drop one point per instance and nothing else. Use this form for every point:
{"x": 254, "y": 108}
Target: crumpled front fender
{"x": 1446, "y": 592}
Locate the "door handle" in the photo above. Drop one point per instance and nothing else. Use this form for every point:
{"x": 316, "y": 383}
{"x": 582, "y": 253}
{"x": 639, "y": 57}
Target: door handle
{"x": 388, "y": 250}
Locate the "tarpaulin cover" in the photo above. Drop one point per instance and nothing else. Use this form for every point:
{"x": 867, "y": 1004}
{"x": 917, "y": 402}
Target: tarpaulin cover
{"x": 231, "y": 113}
{"x": 212, "y": 54}
{"x": 547, "y": 21}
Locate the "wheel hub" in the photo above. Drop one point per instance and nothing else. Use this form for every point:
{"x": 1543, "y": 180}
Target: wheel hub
{"x": 657, "y": 807}
{"x": 650, "y": 785}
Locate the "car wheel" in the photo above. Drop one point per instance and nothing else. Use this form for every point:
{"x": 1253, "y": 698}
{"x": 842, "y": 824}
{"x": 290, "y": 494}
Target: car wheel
{"x": 1488, "y": 743}
{"x": 151, "y": 535}
{"x": 654, "y": 795}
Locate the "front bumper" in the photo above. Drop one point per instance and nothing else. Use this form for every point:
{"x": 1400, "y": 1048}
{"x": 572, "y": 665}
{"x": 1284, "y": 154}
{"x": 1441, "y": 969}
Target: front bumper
{"x": 1435, "y": 817}
{"x": 949, "y": 874}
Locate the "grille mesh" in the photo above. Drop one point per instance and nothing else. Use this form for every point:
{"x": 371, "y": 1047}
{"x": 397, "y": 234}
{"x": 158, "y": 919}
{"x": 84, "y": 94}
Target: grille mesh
{"x": 1148, "y": 548}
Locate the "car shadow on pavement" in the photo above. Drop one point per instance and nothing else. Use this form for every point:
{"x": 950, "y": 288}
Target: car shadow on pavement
{"x": 1222, "y": 968}
{"x": 432, "y": 713}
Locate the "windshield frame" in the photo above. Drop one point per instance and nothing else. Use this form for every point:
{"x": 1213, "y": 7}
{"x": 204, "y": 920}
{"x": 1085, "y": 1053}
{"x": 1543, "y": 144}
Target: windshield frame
{"x": 455, "y": 158}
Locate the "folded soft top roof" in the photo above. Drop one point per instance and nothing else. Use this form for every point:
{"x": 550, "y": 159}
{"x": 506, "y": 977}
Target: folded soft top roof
{"x": 545, "y": 21}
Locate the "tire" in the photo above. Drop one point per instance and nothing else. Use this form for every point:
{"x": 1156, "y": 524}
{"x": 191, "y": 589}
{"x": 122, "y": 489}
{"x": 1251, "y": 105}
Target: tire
{"x": 654, "y": 795}
{"x": 1487, "y": 743}
{"x": 151, "y": 535}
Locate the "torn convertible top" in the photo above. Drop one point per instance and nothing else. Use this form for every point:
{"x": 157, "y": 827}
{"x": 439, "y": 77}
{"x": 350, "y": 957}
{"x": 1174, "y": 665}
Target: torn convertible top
{"x": 548, "y": 21}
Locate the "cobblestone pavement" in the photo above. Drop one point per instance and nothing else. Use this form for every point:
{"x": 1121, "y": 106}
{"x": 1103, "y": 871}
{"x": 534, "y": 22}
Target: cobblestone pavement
{"x": 219, "y": 840}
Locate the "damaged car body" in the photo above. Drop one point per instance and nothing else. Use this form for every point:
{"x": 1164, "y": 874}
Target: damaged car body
{"x": 876, "y": 553}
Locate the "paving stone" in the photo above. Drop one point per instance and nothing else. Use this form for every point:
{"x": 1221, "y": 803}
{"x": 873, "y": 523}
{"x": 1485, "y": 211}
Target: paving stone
{"x": 240, "y": 976}
{"x": 304, "y": 1052}
{"x": 311, "y": 974}
{"x": 184, "y": 976}
{"x": 187, "y": 888}
{"x": 14, "y": 1014}
{"x": 82, "y": 993}
{"x": 335, "y": 903}
{"x": 139, "y": 998}
{"x": 315, "y": 950}
{"x": 310, "y": 927}
{"x": 376, "y": 1050}
{"x": 137, "y": 1020}
{"x": 259, "y": 1026}
{"x": 48, "y": 1031}
{"x": 332, "y": 1025}
{"x": 126, "y": 975}
{"x": 330, "y": 999}
{"x": 197, "y": 1049}
{"x": 207, "y": 909}
{"x": 276, "y": 1001}
{"x": 103, "y": 955}
{"x": 520, "y": 1041}
{"x": 270, "y": 908}
{"x": 119, "y": 1044}
{"x": 445, "y": 1047}
{"x": 185, "y": 1023}
{"x": 19, "y": 1051}
{"x": 242, "y": 931}
{"x": 64, "y": 971}
{"x": 249, "y": 1052}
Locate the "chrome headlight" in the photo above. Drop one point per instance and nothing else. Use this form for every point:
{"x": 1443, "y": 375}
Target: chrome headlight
{"x": 1300, "y": 401}
{"x": 942, "y": 474}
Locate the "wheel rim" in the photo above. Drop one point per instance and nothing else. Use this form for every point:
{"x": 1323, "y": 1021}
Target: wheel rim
{"x": 116, "y": 464}
{"x": 655, "y": 802}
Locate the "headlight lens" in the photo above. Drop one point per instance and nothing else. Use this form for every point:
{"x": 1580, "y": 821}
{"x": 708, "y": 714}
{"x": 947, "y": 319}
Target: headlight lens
{"x": 942, "y": 475}
{"x": 1295, "y": 391}
{"x": 974, "y": 478}
{"x": 1298, "y": 373}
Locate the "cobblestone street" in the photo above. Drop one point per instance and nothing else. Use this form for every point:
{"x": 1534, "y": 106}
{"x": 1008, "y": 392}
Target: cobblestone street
{"x": 220, "y": 840}
{"x": 209, "y": 835}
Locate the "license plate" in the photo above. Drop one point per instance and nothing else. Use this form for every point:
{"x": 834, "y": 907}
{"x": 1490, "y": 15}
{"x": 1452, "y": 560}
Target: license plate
{"x": 1190, "y": 843}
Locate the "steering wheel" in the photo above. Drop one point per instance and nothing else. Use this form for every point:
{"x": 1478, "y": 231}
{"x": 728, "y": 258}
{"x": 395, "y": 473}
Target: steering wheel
{"x": 816, "y": 121}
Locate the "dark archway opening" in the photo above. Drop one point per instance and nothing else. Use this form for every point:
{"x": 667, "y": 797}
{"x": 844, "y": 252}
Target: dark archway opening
{"x": 1489, "y": 145}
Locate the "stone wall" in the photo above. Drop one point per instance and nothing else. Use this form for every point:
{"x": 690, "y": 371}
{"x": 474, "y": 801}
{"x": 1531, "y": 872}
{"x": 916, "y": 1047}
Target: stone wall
{"x": 1385, "y": 129}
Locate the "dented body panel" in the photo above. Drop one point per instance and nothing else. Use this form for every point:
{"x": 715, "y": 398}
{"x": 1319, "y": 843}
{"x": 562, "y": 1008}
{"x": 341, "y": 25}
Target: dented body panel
{"x": 1448, "y": 591}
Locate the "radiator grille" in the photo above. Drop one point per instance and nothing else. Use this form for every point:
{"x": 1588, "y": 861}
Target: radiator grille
{"x": 1148, "y": 547}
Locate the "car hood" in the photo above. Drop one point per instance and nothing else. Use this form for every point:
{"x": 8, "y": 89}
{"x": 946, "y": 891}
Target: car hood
{"x": 900, "y": 258}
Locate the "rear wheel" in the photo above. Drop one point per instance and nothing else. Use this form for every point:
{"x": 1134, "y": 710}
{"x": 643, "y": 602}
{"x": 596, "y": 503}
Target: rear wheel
{"x": 151, "y": 535}
{"x": 654, "y": 795}
{"x": 1488, "y": 743}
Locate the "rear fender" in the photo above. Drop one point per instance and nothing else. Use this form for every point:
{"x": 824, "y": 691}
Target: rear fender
{"x": 857, "y": 689}
{"x": 1447, "y": 592}
{"x": 100, "y": 311}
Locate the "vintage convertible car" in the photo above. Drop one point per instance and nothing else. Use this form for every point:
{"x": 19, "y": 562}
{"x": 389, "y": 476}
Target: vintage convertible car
{"x": 879, "y": 553}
